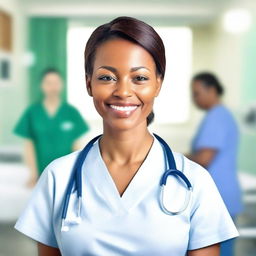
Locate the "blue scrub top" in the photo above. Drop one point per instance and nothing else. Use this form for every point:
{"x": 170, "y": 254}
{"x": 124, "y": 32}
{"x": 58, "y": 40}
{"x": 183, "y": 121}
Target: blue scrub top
{"x": 219, "y": 131}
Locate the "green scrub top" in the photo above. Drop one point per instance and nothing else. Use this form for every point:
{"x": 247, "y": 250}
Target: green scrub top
{"x": 53, "y": 136}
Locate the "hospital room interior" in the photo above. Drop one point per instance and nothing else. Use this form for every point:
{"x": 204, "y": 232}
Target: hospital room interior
{"x": 200, "y": 36}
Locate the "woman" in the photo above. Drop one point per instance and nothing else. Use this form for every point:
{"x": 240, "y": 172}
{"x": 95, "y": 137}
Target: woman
{"x": 215, "y": 145}
{"x": 121, "y": 215}
{"x": 51, "y": 128}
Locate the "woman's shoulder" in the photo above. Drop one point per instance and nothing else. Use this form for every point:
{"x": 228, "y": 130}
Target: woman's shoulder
{"x": 34, "y": 107}
{"x": 196, "y": 173}
{"x": 193, "y": 171}
{"x": 220, "y": 111}
{"x": 69, "y": 107}
{"x": 62, "y": 166}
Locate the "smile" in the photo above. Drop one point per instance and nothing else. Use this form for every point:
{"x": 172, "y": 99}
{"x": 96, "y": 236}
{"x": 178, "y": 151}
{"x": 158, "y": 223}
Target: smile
{"x": 123, "y": 108}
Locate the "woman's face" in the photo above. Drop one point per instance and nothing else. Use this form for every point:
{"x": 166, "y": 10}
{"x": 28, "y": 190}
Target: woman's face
{"x": 51, "y": 85}
{"x": 124, "y": 83}
{"x": 202, "y": 95}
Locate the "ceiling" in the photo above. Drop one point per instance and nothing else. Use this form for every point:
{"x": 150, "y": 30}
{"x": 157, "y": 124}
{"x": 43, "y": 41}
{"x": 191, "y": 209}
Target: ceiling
{"x": 179, "y": 11}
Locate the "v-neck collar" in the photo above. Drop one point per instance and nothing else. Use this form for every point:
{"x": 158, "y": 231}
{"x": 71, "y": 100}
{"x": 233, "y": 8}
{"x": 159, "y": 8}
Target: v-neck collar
{"x": 147, "y": 176}
{"x": 48, "y": 115}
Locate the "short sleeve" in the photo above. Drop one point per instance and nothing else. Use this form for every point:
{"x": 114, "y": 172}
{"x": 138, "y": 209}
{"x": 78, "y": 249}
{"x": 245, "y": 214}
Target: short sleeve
{"x": 212, "y": 132}
{"x": 36, "y": 221}
{"x": 80, "y": 125}
{"x": 23, "y": 126}
{"x": 210, "y": 220}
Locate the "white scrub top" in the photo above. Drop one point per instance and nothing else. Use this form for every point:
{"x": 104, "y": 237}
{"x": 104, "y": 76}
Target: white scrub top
{"x": 133, "y": 224}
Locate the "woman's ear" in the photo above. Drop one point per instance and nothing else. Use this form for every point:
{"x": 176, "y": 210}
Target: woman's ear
{"x": 159, "y": 82}
{"x": 88, "y": 85}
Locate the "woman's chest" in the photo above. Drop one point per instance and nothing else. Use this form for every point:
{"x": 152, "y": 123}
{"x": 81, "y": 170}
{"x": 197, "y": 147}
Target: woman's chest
{"x": 133, "y": 224}
{"x": 141, "y": 230}
{"x": 44, "y": 127}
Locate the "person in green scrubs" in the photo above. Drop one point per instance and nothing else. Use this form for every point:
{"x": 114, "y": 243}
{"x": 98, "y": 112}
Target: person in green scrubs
{"x": 51, "y": 128}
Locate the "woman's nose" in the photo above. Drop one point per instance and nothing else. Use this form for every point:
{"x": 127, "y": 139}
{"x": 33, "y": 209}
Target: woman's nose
{"x": 123, "y": 89}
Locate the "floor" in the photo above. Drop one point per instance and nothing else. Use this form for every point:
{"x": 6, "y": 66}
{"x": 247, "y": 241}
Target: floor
{"x": 246, "y": 243}
{"x": 12, "y": 243}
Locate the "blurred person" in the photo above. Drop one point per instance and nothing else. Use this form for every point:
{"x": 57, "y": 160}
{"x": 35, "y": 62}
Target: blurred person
{"x": 51, "y": 128}
{"x": 215, "y": 145}
{"x": 105, "y": 199}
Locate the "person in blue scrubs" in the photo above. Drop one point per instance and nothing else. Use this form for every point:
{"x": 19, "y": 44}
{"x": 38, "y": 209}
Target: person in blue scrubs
{"x": 216, "y": 143}
{"x": 119, "y": 212}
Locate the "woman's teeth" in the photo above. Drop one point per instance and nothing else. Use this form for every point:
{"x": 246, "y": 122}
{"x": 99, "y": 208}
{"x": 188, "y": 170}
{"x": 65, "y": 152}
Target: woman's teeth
{"x": 124, "y": 108}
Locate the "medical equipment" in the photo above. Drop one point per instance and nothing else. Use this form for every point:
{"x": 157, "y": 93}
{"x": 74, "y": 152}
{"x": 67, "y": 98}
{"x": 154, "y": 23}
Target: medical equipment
{"x": 76, "y": 180}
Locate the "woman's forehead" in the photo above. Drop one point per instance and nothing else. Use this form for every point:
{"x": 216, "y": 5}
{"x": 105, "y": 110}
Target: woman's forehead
{"x": 52, "y": 76}
{"x": 120, "y": 53}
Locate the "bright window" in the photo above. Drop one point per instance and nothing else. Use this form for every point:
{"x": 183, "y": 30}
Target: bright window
{"x": 172, "y": 105}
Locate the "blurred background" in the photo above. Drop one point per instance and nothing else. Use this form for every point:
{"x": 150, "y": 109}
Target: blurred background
{"x": 200, "y": 35}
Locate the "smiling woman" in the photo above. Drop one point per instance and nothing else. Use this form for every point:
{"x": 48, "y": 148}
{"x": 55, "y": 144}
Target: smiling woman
{"x": 118, "y": 212}
{"x": 142, "y": 63}
{"x": 135, "y": 76}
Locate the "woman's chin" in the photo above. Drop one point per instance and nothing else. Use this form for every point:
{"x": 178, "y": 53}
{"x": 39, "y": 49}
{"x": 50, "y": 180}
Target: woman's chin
{"x": 124, "y": 124}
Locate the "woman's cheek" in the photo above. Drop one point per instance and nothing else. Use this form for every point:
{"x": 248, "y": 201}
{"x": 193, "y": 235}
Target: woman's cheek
{"x": 147, "y": 94}
{"x": 98, "y": 104}
{"x": 101, "y": 92}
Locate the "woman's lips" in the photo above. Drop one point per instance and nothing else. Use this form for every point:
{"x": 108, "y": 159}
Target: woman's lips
{"x": 123, "y": 111}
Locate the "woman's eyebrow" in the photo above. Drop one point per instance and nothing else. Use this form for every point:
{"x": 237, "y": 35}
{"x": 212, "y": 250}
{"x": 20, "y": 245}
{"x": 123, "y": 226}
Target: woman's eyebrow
{"x": 112, "y": 69}
{"x": 137, "y": 68}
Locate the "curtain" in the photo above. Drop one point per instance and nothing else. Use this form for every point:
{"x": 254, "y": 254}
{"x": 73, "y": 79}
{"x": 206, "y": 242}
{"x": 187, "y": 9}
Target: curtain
{"x": 47, "y": 43}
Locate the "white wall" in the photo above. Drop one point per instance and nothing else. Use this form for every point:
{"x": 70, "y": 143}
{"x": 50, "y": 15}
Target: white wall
{"x": 220, "y": 52}
{"x": 13, "y": 96}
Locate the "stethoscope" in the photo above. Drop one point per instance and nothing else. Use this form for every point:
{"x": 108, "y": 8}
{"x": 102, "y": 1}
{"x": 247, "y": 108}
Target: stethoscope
{"x": 76, "y": 180}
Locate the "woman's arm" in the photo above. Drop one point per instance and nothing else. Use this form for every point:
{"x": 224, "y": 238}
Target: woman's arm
{"x": 30, "y": 159}
{"x": 44, "y": 250}
{"x": 203, "y": 157}
{"x": 213, "y": 250}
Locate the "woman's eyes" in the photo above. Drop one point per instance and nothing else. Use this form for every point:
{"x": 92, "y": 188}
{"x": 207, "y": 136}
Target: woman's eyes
{"x": 107, "y": 78}
{"x": 141, "y": 78}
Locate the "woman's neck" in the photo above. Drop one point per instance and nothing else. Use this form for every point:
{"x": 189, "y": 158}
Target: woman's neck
{"x": 51, "y": 104}
{"x": 51, "y": 101}
{"x": 127, "y": 146}
{"x": 213, "y": 103}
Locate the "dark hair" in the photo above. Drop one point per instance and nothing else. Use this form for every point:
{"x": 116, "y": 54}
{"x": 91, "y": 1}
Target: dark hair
{"x": 210, "y": 80}
{"x": 49, "y": 71}
{"x": 133, "y": 30}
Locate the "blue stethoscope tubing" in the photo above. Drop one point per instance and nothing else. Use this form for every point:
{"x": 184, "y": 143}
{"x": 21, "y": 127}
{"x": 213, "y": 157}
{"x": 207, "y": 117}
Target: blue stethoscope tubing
{"x": 172, "y": 171}
{"x": 76, "y": 180}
